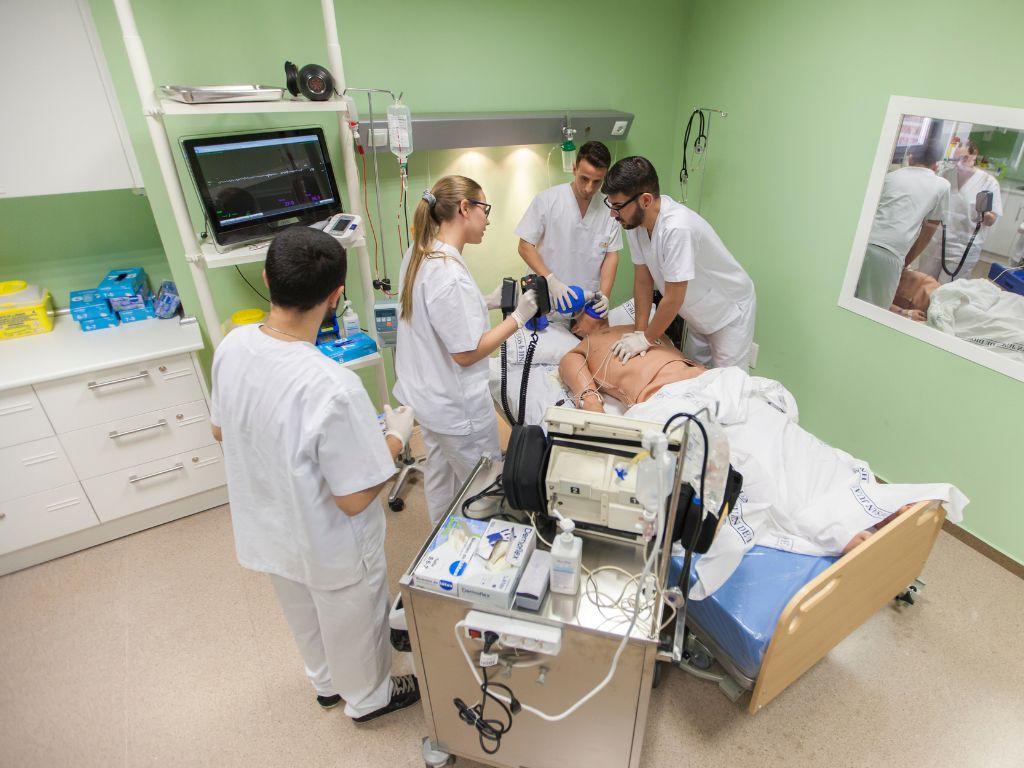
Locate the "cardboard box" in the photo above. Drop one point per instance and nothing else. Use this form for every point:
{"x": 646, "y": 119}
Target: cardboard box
{"x": 449, "y": 555}
{"x": 88, "y": 305}
{"x": 134, "y": 315}
{"x": 493, "y": 574}
{"x": 123, "y": 303}
{"x": 98, "y": 323}
{"x": 123, "y": 282}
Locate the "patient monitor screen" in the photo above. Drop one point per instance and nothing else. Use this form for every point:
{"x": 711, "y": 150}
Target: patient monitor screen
{"x": 260, "y": 177}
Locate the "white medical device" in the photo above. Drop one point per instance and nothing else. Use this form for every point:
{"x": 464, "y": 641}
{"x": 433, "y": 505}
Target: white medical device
{"x": 345, "y": 228}
{"x": 385, "y": 320}
{"x": 593, "y": 469}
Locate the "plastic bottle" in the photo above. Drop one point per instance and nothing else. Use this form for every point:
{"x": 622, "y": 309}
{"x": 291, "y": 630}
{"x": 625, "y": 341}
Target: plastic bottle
{"x": 566, "y": 559}
{"x": 349, "y": 320}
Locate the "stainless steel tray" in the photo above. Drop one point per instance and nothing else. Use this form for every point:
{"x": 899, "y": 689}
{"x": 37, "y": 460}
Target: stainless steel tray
{"x": 206, "y": 94}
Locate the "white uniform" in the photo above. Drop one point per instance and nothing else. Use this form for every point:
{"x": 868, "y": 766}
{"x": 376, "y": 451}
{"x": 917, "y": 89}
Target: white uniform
{"x": 452, "y": 403}
{"x": 720, "y": 303}
{"x": 572, "y": 246}
{"x": 298, "y": 430}
{"x": 910, "y": 196}
{"x": 963, "y": 218}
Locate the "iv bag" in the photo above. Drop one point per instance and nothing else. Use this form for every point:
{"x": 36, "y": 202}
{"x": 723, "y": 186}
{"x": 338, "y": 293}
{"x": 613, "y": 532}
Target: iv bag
{"x": 400, "y": 131}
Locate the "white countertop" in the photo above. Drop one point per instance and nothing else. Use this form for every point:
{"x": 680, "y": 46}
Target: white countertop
{"x": 68, "y": 350}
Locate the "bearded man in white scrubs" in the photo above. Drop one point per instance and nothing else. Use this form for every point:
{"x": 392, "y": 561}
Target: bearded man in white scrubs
{"x": 305, "y": 460}
{"x": 677, "y": 251}
{"x": 913, "y": 205}
{"x": 566, "y": 236}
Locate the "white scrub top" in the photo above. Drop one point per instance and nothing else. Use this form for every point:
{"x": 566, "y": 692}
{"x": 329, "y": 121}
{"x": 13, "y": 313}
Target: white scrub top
{"x": 910, "y": 195}
{"x": 449, "y": 315}
{"x": 572, "y": 246}
{"x": 298, "y": 429}
{"x": 963, "y": 217}
{"x": 684, "y": 248}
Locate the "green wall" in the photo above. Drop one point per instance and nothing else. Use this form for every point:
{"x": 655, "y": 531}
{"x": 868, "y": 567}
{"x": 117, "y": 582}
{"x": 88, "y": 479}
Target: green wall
{"x": 806, "y": 86}
{"x": 67, "y": 242}
{"x": 445, "y": 56}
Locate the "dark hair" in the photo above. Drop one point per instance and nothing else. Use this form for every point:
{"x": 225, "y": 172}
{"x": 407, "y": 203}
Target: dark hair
{"x": 924, "y": 154}
{"x": 631, "y": 176}
{"x": 595, "y": 153}
{"x": 972, "y": 148}
{"x": 303, "y": 266}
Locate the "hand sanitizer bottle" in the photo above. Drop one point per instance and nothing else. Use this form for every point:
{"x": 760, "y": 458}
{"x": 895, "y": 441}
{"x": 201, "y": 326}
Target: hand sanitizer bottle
{"x": 566, "y": 559}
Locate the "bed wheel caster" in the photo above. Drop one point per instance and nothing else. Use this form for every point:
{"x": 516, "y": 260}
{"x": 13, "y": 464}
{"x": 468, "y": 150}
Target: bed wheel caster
{"x": 397, "y": 505}
{"x": 434, "y": 757}
{"x": 912, "y": 591}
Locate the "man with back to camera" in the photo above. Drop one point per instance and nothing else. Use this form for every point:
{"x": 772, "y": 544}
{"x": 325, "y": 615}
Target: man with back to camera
{"x": 305, "y": 460}
{"x": 566, "y": 237}
{"x": 676, "y": 250}
{"x": 914, "y": 203}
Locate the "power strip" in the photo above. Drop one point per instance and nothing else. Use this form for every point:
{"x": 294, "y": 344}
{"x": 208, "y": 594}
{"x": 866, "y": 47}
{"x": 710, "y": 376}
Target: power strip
{"x": 515, "y": 633}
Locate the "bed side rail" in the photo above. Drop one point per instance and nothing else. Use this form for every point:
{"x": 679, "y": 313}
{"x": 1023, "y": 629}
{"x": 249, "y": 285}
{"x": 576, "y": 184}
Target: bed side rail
{"x": 843, "y": 597}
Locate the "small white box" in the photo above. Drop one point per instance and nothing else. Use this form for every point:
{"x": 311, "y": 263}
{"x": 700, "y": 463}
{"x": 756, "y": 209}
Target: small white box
{"x": 502, "y": 554}
{"x": 449, "y": 555}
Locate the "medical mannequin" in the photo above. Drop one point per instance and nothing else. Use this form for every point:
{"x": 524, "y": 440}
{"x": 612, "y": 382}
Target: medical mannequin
{"x": 678, "y": 252}
{"x": 965, "y": 181}
{"x": 444, "y": 338}
{"x": 566, "y": 236}
{"x": 305, "y": 460}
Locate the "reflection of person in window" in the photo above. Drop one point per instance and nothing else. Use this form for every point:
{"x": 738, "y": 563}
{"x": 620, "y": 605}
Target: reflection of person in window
{"x": 913, "y": 204}
{"x": 234, "y": 203}
{"x": 966, "y": 182}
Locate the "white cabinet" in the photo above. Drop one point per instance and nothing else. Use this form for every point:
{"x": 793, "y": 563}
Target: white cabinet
{"x": 62, "y": 129}
{"x": 1000, "y": 238}
{"x": 111, "y": 436}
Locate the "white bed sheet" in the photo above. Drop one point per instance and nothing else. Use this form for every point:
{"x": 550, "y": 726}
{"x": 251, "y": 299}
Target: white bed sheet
{"x": 544, "y": 390}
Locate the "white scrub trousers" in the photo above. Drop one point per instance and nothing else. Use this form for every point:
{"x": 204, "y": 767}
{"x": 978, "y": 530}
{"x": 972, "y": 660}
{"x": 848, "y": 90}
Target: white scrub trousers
{"x": 730, "y": 345}
{"x": 879, "y": 276}
{"x": 450, "y": 460}
{"x": 343, "y": 637}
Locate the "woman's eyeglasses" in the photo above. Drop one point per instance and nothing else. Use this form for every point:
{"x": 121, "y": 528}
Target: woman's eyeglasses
{"x": 485, "y": 206}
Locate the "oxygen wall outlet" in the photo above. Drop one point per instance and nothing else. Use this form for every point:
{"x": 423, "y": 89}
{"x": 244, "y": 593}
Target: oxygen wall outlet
{"x": 619, "y": 128}
{"x": 515, "y": 633}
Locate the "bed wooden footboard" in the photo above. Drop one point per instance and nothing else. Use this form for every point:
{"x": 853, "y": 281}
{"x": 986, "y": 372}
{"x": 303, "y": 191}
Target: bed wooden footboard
{"x": 842, "y": 598}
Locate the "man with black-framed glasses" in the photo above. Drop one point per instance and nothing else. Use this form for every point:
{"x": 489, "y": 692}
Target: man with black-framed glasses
{"x": 677, "y": 251}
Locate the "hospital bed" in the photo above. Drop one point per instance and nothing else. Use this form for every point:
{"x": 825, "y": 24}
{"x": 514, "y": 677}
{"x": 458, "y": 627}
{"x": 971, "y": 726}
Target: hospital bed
{"x": 780, "y": 612}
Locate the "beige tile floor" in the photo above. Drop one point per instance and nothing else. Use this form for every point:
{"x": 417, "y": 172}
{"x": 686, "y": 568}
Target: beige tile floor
{"x": 158, "y": 649}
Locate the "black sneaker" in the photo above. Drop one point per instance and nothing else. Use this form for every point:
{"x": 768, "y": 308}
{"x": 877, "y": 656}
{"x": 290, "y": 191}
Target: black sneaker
{"x": 329, "y": 702}
{"x": 405, "y": 691}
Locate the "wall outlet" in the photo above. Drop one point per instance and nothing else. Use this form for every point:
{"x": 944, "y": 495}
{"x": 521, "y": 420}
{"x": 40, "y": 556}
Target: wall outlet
{"x": 753, "y": 355}
{"x": 619, "y": 129}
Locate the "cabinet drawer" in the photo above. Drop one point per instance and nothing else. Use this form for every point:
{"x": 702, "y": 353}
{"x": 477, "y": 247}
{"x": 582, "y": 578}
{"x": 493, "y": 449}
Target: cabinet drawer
{"x": 114, "y": 393}
{"x": 126, "y": 443}
{"x": 149, "y": 485}
{"x": 21, "y": 417}
{"x": 44, "y": 516}
{"x": 33, "y": 467}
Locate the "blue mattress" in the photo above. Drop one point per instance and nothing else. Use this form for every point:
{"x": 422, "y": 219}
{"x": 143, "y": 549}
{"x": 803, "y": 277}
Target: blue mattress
{"x": 742, "y": 614}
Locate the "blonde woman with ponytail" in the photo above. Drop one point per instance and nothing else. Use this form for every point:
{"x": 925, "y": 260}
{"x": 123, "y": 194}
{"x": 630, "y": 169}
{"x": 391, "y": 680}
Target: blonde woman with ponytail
{"x": 445, "y": 338}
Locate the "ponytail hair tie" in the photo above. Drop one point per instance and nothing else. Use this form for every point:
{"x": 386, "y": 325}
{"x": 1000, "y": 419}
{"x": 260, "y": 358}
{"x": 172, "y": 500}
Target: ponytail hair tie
{"x": 429, "y": 197}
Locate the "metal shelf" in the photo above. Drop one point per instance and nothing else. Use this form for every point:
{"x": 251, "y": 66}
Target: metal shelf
{"x": 251, "y": 254}
{"x": 172, "y": 107}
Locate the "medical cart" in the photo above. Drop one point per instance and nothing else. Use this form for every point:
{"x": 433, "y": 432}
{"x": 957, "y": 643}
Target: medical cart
{"x": 607, "y": 731}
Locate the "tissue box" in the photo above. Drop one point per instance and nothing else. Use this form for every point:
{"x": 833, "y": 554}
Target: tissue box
{"x": 167, "y": 302}
{"x": 89, "y": 305}
{"x": 123, "y": 282}
{"x": 488, "y": 583}
{"x": 449, "y": 555}
{"x": 98, "y": 323}
{"x": 134, "y": 315}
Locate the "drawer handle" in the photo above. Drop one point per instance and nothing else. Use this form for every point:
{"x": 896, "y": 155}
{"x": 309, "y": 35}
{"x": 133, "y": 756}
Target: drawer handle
{"x": 101, "y": 384}
{"x": 10, "y": 410}
{"x": 57, "y": 505}
{"x": 138, "y": 479}
{"x": 115, "y": 433}
{"x": 42, "y": 458}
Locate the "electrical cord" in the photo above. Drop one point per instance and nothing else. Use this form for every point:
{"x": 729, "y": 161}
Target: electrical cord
{"x": 251, "y": 285}
{"x": 967, "y": 250}
{"x": 489, "y": 730}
